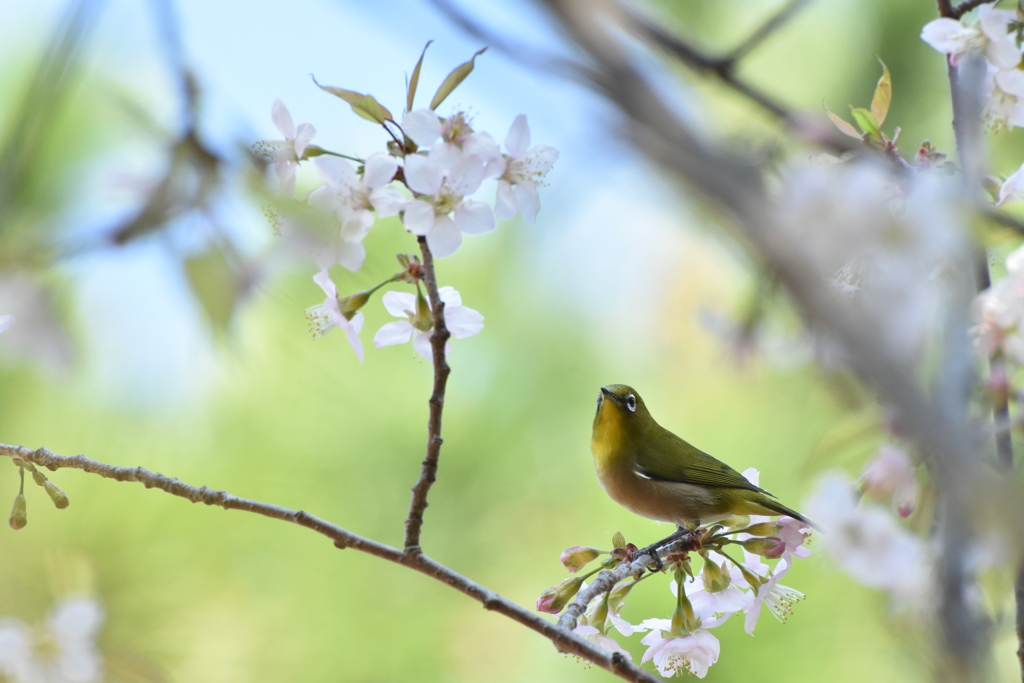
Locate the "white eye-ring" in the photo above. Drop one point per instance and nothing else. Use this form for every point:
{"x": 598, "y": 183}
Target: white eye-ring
{"x": 631, "y": 403}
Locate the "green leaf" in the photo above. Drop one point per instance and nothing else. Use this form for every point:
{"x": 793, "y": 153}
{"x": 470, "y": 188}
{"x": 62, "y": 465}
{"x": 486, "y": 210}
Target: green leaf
{"x": 842, "y": 125}
{"x": 414, "y": 80}
{"x": 883, "y": 96}
{"x": 214, "y": 285}
{"x": 618, "y": 540}
{"x": 867, "y": 122}
{"x": 453, "y": 79}
{"x": 364, "y": 105}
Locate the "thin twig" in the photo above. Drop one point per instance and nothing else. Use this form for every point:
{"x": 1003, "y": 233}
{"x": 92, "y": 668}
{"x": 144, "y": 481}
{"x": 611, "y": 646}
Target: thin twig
{"x": 766, "y": 29}
{"x": 438, "y": 342}
{"x": 566, "y": 641}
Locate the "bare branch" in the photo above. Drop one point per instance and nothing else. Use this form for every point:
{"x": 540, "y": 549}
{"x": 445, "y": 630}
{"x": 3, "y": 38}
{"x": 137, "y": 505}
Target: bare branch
{"x": 604, "y": 582}
{"x": 438, "y": 342}
{"x": 566, "y": 641}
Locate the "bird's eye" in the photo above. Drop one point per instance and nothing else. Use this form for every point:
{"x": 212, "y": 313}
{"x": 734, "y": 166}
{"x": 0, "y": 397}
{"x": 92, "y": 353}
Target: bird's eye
{"x": 631, "y": 403}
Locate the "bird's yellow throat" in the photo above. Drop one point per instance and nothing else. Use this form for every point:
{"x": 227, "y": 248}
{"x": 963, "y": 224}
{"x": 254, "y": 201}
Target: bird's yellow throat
{"x": 607, "y": 439}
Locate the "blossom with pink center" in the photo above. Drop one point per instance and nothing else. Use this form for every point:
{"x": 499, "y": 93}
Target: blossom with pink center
{"x": 458, "y": 139}
{"x": 593, "y": 635}
{"x": 461, "y": 321}
{"x": 524, "y": 170}
{"x": 676, "y": 655}
{"x": 326, "y": 316}
{"x": 441, "y": 193}
{"x": 286, "y": 154}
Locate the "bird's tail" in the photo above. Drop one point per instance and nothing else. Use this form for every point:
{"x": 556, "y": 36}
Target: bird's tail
{"x": 780, "y": 509}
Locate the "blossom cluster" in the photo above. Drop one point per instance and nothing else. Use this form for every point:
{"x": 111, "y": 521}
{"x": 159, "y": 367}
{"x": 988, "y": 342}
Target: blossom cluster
{"x": 429, "y": 176}
{"x": 994, "y": 37}
{"x": 735, "y": 578}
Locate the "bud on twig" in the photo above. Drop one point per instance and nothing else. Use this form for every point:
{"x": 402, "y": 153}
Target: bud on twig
{"x": 19, "y": 513}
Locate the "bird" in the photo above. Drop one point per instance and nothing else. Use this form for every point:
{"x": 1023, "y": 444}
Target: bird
{"x": 652, "y": 472}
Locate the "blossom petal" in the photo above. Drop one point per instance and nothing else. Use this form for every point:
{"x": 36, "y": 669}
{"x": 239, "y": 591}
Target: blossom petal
{"x": 444, "y": 239}
{"x": 352, "y": 334}
{"x": 539, "y": 160}
{"x": 326, "y": 284}
{"x": 286, "y": 175}
{"x": 528, "y": 200}
{"x": 351, "y": 255}
{"x": 463, "y": 322}
{"x": 387, "y": 201}
{"x": 466, "y": 174}
{"x": 518, "y": 139}
{"x": 355, "y": 225}
{"x": 282, "y": 118}
{"x": 336, "y": 172}
{"x": 483, "y": 146}
{"x": 390, "y": 334}
{"x": 421, "y": 344}
{"x": 379, "y": 170}
{"x": 423, "y": 175}
{"x": 303, "y": 138}
{"x": 451, "y": 297}
{"x": 949, "y": 36}
{"x": 419, "y": 217}
{"x": 323, "y": 199}
{"x": 475, "y": 218}
{"x": 505, "y": 205}
{"x": 422, "y": 126}
{"x": 5, "y": 322}
{"x": 399, "y": 304}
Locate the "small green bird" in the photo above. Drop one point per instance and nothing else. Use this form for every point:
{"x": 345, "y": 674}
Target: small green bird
{"x": 652, "y": 472}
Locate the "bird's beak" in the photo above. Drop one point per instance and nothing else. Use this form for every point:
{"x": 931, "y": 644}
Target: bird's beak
{"x": 609, "y": 394}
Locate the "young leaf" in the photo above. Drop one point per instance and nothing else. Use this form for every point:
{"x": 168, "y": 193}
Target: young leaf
{"x": 844, "y": 127}
{"x": 414, "y": 80}
{"x": 453, "y": 79}
{"x": 364, "y": 105}
{"x": 883, "y": 96}
{"x": 867, "y": 122}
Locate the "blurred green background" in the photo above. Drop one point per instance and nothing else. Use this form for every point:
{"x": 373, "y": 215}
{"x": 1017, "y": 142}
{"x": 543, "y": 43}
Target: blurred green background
{"x": 610, "y": 286}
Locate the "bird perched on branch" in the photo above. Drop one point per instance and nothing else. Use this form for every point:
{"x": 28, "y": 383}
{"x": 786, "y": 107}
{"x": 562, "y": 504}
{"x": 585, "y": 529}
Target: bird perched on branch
{"x": 652, "y": 472}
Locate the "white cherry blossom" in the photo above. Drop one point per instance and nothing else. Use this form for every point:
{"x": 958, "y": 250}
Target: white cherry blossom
{"x": 326, "y": 316}
{"x": 1000, "y": 313}
{"x": 593, "y": 635}
{"x": 1012, "y": 188}
{"x": 525, "y": 167}
{"x": 989, "y": 37}
{"x": 285, "y": 154}
{"x": 5, "y": 322}
{"x": 461, "y": 321}
{"x": 443, "y": 193}
{"x": 458, "y": 139}
{"x": 1004, "y": 99}
{"x": 674, "y": 655}
{"x": 779, "y": 599}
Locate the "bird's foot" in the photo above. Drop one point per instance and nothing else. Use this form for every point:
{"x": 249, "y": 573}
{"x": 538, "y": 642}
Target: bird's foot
{"x": 682, "y": 533}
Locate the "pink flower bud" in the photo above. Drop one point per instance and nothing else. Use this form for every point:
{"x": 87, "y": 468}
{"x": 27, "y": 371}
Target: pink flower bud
{"x": 555, "y": 598}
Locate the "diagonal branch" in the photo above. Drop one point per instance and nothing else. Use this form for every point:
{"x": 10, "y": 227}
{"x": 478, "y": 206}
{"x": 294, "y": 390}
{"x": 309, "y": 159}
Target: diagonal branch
{"x": 565, "y": 641}
{"x": 438, "y": 342}
{"x": 774, "y": 23}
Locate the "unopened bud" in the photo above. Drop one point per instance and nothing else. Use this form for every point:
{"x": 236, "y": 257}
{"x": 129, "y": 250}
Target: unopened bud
{"x": 619, "y": 594}
{"x": 59, "y": 498}
{"x": 766, "y": 547}
{"x": 19, "y": 513}
{"x": 38, "y": 477}
{"x": 577, "y": 557}
{"x": 555, "y": 598}
{"x": 350, "y": 304}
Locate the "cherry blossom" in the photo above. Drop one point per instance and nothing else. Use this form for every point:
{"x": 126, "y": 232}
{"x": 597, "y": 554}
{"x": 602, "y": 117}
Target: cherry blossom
{"x": 890, "y": 474}
{"x": 707, "y": 602}
{"x": 779, "y": 599}
{"x": 1012, "y": 188}
{"x": 989, "y": 37}
{"x": 1000, "y": 313}
{"x": 524, "y": 169}
{"x": 5, "y": 322}
{"x": 458, "y": 139}
{"x": 354, "y": 198}
{"x": 326, "y": 316}
{"x": 461, "y": 321}
{"x": 1004, "y": 99}
{"x": 72, "y": 657}
{"x": 675, "y": 655}
{"x": 286, "y": 154}
{"x": 441, "y": 192}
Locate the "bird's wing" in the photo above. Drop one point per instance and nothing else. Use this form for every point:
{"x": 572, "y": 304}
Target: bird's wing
{"x": 688, "y": 464}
